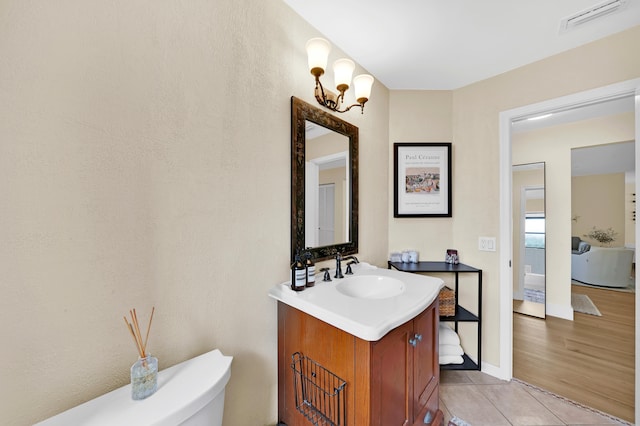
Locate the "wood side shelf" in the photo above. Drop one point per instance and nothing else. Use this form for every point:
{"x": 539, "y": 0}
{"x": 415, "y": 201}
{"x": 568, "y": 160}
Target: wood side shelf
{"x": 462, "y": 314}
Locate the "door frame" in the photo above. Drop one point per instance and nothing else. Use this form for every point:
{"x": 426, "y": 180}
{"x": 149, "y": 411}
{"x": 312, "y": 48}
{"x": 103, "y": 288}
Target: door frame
{"x": 629, "y": 87}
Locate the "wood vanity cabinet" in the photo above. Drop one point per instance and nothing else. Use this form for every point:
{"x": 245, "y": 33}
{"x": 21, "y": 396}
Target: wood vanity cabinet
{"x": 390, "y": 382}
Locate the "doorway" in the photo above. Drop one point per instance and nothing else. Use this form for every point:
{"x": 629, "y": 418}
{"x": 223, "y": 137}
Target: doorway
{"x": 625, "y": 89}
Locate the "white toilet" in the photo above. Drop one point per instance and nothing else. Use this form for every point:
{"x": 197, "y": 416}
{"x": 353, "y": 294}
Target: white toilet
{"x": 190, "y": 394}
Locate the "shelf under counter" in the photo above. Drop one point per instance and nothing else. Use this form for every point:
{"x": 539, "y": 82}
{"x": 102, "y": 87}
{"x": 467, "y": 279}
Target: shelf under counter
{"x": 467, "y": 364}
{"x": 462, "y": 315}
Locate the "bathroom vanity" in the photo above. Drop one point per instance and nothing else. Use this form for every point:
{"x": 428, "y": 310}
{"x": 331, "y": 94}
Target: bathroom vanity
{"x": 377, "y": 332}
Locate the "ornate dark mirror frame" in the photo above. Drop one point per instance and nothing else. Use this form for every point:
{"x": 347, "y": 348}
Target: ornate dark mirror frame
{"x": 300, "y": 113}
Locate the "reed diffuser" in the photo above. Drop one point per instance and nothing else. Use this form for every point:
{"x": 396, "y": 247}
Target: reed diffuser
{"x": 144, "y": 372}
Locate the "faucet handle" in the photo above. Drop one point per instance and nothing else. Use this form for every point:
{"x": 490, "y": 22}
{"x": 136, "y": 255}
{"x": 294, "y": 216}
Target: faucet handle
{"x": 349, "y": 271}
{"x": 327, "y": 275}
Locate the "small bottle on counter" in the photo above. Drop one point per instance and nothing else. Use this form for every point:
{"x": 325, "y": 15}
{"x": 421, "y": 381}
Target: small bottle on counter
{"x": 311, "y": 269}
{"x": 298, "y": 274}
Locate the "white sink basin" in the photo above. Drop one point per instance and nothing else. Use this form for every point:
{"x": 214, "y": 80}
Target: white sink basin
{"x": 370, "y": 286}
{"x": 367, "y": 304}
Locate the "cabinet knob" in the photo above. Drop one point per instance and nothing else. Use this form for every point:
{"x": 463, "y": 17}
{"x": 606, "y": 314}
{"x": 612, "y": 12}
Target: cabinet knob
{"x": 416, "y": 338}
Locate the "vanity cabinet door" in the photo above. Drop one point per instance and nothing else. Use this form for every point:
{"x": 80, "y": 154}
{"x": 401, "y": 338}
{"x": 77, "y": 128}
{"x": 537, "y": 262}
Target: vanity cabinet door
{"x": 426, "y": 369}
{"x": 391, "y": 378}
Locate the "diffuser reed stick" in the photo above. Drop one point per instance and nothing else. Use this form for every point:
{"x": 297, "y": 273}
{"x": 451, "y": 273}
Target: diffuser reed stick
{"x": 134, "y": 329}
{"x": 153, "y": 309}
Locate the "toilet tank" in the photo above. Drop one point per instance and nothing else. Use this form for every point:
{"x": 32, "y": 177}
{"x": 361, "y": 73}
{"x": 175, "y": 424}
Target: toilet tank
{"x": 190, "y": 393}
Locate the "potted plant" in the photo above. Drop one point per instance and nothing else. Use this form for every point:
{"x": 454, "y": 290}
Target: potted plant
{"x": 603, "y": 236}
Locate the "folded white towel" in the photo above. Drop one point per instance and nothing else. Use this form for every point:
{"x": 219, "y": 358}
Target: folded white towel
{"x": 444, "y": 350}
{"x": 450, "y": 359}
{"x": 448, "y": 336}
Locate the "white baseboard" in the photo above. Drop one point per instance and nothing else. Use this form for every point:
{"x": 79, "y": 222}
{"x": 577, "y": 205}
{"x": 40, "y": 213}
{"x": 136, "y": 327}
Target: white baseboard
{"x": 494, "y": 371}
{"x": 560, "y": 311}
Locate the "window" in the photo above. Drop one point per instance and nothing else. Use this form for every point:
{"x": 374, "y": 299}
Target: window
{"x": 534, "y": 225}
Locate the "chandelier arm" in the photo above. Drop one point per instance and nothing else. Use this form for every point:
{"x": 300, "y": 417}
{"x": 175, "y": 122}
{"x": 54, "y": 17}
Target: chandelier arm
{"x": 351, "y": 106}
{"x": 340, "y": 100}
{"x": 323, "y": 99}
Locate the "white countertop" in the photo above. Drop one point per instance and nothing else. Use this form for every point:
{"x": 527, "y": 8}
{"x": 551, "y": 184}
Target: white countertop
{"x": 368, "y": 319}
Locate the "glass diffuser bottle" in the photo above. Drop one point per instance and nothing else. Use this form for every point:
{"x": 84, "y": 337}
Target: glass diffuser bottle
{"x": 144, "y": 377}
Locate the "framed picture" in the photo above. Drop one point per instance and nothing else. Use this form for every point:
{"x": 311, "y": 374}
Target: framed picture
{"x": 422, "y": 179}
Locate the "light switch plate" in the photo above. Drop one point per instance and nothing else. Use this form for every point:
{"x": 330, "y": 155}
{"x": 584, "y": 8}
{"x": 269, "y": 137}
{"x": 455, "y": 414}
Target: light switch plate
{"x": 487, "y": 243}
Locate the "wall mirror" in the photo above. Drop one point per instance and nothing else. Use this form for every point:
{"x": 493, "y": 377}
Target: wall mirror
{"x": 529, "y": 237}
{"x": 324, "y": 182}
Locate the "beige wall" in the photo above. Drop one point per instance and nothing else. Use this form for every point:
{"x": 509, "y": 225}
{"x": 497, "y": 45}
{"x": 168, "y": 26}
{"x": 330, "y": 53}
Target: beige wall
{"x": 329, "y": 143}
{"x": 145, "y": 158}
{"x": 598, "y": 201}
{"x": 474, "y": 115}
{"x": 476, "y": 135}
{"x": 420, "y": 116}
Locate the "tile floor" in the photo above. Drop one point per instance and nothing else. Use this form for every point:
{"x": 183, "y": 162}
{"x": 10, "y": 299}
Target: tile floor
{"x": 480, "y": 399}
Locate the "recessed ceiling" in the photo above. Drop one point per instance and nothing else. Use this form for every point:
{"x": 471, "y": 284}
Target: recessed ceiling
{"x": 445, "y": 45}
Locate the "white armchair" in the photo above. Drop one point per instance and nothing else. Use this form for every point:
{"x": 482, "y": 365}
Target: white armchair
{"x": 603, "y": 266}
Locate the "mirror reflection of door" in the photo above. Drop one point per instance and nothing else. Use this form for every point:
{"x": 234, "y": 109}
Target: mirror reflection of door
{"x": 529, "y": 234}
{"x": 326, "y": 214}
{"x": 327, "y": 211}
{"x": 326, "y": 198}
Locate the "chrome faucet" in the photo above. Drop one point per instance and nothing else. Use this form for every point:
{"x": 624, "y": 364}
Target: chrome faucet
{"x": 339, "y": 260}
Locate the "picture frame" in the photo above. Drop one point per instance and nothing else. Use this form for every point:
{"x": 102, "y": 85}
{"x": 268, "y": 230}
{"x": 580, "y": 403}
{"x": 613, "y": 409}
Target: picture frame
{"x": 422, "y": 179}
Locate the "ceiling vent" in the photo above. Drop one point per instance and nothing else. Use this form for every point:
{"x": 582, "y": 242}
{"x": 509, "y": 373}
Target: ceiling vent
{"x": 594, "y": 12}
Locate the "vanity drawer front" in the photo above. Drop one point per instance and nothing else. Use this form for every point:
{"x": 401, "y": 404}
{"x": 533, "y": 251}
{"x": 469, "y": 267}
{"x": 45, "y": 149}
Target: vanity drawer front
{"x": 430, "y": 412}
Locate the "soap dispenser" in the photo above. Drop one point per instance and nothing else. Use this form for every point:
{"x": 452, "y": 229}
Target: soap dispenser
{"x": 298, "y": 274}
{"x": 311, "y": 269}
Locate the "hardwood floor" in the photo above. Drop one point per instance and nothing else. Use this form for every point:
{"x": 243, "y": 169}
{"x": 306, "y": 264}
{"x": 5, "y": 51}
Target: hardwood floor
{"x": 589, "y": 360}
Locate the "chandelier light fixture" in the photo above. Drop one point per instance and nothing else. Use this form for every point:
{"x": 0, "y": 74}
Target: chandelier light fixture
{"x": 317, "y": 53}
